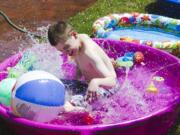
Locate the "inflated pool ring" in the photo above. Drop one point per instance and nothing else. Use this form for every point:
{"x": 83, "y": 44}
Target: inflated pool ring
{"x": 103, "y": 26}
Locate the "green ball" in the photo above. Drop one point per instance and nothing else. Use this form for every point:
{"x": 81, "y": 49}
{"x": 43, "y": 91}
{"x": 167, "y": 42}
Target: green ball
{"x": 125, "y": 64}
{"x": 6, "y": 87}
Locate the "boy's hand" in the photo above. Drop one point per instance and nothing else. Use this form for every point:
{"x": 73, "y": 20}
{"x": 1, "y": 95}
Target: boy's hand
{"x": 69, "y": 107}
{"x": 91, "y": 95}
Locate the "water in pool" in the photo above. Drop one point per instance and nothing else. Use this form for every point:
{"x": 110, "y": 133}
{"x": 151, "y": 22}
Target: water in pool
{"x": 132, "y": 98}
{"x": 143, "y": 34}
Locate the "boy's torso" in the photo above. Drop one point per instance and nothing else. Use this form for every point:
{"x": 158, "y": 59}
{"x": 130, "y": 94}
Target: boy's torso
{"x": 86, "y": 59}
{"x": 87, "y": 69}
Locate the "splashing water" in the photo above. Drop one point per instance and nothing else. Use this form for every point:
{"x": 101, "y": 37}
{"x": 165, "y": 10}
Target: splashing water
{"x": 41, "y": 55}
{"x": 47, "y": 58}
{"x": 132, "y": 100}
{"x": 125, "y": 83}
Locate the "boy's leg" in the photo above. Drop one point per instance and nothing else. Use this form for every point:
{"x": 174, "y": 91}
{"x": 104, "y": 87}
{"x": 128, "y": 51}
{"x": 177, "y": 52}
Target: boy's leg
{"x": 107, "y": 92}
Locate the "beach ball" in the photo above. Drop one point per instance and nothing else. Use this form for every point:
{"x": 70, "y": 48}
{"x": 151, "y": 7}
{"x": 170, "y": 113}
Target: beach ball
{"x": 38, "y": 96}
{"x": 6, "y": 87}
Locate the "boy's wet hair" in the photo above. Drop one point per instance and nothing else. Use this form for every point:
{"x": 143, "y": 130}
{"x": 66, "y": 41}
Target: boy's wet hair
{"x": 58, "y": 32}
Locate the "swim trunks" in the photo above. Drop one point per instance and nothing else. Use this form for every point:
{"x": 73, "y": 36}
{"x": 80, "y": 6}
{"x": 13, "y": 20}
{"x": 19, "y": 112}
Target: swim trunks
{"x": 76, "y": 91}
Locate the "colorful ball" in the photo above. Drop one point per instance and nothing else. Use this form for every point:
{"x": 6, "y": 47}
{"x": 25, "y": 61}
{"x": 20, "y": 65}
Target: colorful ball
{"x": 38, "y": 96}
{"x": 6, "y": 87}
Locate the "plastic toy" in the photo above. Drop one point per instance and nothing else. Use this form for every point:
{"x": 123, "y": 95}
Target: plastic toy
{"x": 6, "y": 87}
{"x": 158, "y": 78}
{"x": 152, "y": 88}
{"x": 138, "y": 57}
{"x": 125, "y": 61}
{"x": 24, "y": 65}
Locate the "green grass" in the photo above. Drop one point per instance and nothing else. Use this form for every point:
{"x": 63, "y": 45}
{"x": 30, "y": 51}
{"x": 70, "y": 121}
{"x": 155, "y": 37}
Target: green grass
{"x": 83, "y": 21}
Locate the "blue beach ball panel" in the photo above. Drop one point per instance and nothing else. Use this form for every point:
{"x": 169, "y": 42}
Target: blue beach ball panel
{"x": 43, "y": 92}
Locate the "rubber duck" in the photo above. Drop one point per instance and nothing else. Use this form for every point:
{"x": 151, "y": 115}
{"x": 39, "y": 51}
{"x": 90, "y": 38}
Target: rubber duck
{"x": 152, "y": 88}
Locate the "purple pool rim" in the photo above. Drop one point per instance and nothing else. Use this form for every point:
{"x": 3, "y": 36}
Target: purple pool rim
{"x": 25, "y": 122}
{"x": 4, "y": 113}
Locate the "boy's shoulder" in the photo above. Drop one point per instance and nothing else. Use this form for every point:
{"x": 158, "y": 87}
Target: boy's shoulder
{"x": 84, "y": 35}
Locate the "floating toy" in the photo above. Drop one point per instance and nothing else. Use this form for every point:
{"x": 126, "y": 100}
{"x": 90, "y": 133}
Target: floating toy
{"x": 125, "y": 61}
{"x": 152, "y": 88}
{"x": 24, "y": 65}
{"x": 158, "y": 78}
{"x": 138, "y": 57}
{"x": 128, "y": 56}
{"x": 128, "y": 39}
{"x": 38, "y": 96}
{"x": 6, "y": 87}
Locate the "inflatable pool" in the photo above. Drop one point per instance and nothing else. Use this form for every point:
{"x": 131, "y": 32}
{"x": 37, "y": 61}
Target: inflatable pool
{"x": 155, "y": 123}
{"x": 147, "y": 29}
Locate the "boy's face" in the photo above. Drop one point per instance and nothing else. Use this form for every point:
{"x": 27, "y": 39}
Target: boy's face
{"x": 70, "y": 46}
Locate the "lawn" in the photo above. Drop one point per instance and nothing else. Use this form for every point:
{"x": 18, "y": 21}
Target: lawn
{"x": 83, "y": 21}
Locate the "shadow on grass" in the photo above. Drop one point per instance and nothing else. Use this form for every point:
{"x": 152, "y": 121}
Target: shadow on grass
{"x": 164, "y": 8}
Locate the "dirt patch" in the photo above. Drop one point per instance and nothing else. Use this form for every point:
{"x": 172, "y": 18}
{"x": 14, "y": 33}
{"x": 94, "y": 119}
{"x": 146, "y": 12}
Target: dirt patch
{"x": 31, "y": 14}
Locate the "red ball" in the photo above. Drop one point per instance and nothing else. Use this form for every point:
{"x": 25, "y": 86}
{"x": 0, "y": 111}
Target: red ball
{"x": 88, "y": 119}
{"x": 138, "y": 57}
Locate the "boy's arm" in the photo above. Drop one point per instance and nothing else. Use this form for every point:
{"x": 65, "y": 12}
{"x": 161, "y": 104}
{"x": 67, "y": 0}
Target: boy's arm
{"x": 78, "y": 73}
{"x": 108, "y": 81}
{"x": 68, "y": 107}
{"x": 106, "y": 70}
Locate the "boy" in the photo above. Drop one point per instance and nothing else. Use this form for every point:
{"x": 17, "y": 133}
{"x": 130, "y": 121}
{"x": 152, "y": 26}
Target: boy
{"x": 92, "y": 61}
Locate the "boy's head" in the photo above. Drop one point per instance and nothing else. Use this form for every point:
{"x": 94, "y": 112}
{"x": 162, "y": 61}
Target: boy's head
{"x": 64, "y": 38}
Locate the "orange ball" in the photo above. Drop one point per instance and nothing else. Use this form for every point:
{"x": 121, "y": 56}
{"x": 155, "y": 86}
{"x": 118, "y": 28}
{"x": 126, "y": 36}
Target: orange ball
{"x": 138, "y": 57}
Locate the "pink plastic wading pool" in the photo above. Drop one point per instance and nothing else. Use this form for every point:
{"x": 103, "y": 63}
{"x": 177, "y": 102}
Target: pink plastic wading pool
{"x": 156, "y": 123}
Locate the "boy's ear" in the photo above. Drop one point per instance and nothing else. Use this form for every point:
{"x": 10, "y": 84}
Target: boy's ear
{"x": 74, "y": 34}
